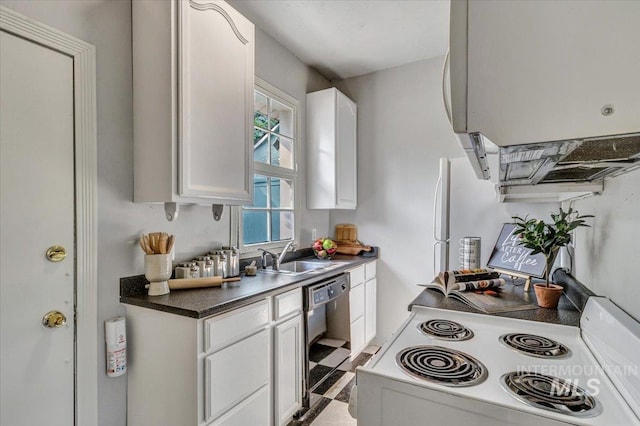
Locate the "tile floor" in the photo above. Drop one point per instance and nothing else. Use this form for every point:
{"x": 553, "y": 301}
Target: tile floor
{"x": 330, "y": 401}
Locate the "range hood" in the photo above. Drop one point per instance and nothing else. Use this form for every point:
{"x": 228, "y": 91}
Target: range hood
{"x": 553, "y": 85}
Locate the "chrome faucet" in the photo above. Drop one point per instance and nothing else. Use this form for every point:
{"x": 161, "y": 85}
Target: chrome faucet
{"x": 276, "y": 260}
{"x": 290, "y": 246}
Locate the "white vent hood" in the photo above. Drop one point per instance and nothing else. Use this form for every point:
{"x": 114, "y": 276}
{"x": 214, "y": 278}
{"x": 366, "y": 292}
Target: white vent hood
{"x": 554, "y": 85}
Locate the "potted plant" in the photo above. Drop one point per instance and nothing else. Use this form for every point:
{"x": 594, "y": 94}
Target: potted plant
{"x": 547, "y": 238}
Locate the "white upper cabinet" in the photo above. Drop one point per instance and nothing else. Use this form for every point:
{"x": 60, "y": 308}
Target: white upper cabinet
{"x": 193, "y": 88}
{"x": 331, "y": 151}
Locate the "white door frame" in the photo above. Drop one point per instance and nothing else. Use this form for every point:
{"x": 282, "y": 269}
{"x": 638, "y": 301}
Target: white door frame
{"x": 85, "y": 142}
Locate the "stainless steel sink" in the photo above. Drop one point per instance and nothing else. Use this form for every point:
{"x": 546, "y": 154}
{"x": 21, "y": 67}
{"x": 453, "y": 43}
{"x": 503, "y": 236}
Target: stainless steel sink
{"x": 298, "y": 267}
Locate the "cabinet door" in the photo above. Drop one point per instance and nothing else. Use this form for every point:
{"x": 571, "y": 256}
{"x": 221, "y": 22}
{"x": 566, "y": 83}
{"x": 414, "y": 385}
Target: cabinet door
{"x": 251, "y": 411}
{"x": 356, "y": 303}
{"x": 236, "y": 372}
{"x": 346, "y": 167}
{"x": 370, "y": 309}
{"x": 216, "y": 84}
{"x": 288, "y": 369}
{"x": 357, "y": 337}
{"x": 357, "y": 317}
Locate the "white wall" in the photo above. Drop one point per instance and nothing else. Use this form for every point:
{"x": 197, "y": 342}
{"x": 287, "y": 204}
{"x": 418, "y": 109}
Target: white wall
{"x": 607, "y": 255}
{"x": 402, "y": 133}
{"x": 107, "y": 25}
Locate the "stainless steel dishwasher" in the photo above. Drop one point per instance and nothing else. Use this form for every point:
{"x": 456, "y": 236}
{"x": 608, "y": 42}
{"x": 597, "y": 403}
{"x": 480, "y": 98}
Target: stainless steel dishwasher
{"x": 326, "y": 307}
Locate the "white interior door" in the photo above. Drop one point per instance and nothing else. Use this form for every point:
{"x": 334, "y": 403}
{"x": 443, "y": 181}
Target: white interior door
{"x": 37, "y": 212}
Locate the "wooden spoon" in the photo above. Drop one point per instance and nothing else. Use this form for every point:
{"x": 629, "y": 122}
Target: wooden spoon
{"x": 170, "y": 241}
{"x": 162, "y": 243}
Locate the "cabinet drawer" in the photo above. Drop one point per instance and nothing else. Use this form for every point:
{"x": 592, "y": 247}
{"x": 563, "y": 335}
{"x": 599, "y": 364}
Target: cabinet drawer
{"x": 236, "y": 372}
{"x": 356, "y": 276}
{"x": 356, "y": 303}
{"x": 227, "y": 328}
{"x": 252, "y": 411}
{"x": 370, "y": 270}
{"x": 287, "y": 303}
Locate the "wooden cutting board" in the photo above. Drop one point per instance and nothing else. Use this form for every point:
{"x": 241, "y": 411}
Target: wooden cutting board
{"x": 351, "y": 247}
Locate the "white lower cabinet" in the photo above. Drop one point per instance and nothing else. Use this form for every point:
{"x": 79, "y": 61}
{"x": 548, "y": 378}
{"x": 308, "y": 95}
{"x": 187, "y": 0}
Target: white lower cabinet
{"x": 243, "y": 367}
{"x": 362, "y": 307}
{"x": 370, "y": 301}
{"x": 234, "y": 373}
{"x": 288, "y": 341}
{"x": 248, "y": 412}
{"x": 356, "y": 314}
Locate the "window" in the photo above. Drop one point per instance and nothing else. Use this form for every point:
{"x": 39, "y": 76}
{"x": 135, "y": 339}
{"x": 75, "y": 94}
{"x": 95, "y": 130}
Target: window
{"x": 271, "y": 220}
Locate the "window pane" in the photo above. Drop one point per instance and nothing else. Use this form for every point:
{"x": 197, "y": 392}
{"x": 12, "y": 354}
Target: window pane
{"x": 261, "y": 115}
{"x": 254, "y": 226}
{"x": 260, "y": 146}
{"x": 281, "y": 151}
{"x": 281, "y": 225}
{"x": 260, "y": 191}
{"x": 282, "y": 118}
{"x": 281, "y": 193}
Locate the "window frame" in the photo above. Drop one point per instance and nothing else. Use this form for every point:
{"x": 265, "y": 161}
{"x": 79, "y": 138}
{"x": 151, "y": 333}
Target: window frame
{"x": 251, "y": 250}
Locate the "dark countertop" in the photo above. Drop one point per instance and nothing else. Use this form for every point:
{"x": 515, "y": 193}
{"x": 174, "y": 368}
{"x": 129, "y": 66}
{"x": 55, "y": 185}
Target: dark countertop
{"x": 204, "y": 302}
{"x": 568, "y": 312}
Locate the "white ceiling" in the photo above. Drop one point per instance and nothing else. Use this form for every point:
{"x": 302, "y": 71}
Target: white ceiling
{"x": 347, "y": 38}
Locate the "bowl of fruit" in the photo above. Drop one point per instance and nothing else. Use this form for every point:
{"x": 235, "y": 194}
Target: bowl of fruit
{"x": 324, "y": 248}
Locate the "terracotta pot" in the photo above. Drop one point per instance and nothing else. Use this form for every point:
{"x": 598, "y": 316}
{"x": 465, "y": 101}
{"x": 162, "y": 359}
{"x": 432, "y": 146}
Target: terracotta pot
{"x": 548, "y": 297}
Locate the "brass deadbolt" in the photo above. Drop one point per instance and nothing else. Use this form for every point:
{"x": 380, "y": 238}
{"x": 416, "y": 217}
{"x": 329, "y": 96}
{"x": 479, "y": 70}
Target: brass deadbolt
{"x": 54, "y": 319}
{"x": 56, "y": 253}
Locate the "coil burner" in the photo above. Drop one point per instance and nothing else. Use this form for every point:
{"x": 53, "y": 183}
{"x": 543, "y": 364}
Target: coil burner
{"x": 441, "y": 365}
{"x": 537, "y": 346}
{"x": 445, "y": 330}
{"x": 550, "y": 393}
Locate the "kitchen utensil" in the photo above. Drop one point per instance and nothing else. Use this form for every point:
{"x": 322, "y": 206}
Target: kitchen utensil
{"x": 170, "y": 242}
{"x": 346, "y": 232}
{"x": 351, "y": 247}
{"x": 251, "y": 270}
{"x": 187, "y": 283}
{"x": 157, "y": 243}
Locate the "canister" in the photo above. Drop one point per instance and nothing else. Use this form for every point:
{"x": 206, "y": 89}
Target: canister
{"x": 206, "y": 266}
{"x": 233, "y": 260}
{"x": 187, "y": 270}
{"x": 219, "y": 259}
{"x": 469, "y": 252}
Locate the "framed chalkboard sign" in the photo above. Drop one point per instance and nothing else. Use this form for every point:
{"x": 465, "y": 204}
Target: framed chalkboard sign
{"x": 509, "y": 256}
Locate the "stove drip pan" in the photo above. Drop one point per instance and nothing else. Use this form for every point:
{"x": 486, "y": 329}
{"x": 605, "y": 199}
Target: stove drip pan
{"x": 445, "y": 330}
{"x": 441, "y": 365}
{"x": 537, "y": 346}
{"x": 550, "y": 393}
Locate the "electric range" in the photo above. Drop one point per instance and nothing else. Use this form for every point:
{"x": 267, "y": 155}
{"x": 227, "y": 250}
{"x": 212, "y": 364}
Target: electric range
{"x": 457, "y": 368}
